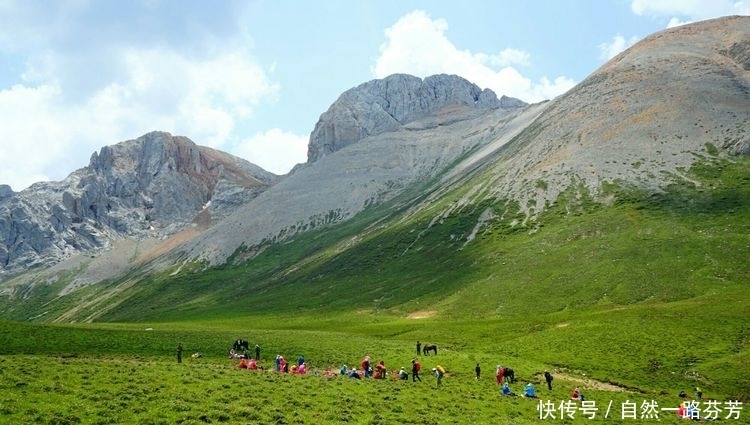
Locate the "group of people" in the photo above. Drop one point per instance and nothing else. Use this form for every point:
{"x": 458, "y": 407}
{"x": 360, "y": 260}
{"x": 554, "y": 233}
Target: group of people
{"x": 502, "y": 378}
{"x": 251, "y": 364}
{"x": 365, "y": 369}
{"x": 282, "y": 365}
{"x": 503, "y": 375}
{"x": 379, "y": 371}
{"x": 240, "y": 350}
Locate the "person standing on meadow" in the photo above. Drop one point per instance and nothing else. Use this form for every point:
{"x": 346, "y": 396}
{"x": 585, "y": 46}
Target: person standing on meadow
{"x": 419, "y": 348}
{"x": 548, "y": 378}
{"x": 499, "y": 374}
{"x": 478, "y": 371}
{"x": 179, "y": 352}
{"x": 257, "y": 352}
{"x": 415, "y": 367}
{"x": 365, "y": 363}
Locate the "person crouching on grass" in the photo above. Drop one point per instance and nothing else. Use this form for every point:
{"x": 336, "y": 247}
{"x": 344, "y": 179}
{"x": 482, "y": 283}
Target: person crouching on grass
{"x": 439, "y": 373}
{"x": 507, "y": 391}
{"x": 403, "y": 375}
{"x": 528, "y": 391}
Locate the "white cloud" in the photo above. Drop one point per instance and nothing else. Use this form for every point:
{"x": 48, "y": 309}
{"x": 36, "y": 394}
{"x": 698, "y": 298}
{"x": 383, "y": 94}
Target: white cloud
{"x": 614, "y": 47}
{"x": 416, "y": 44}
{"x": 693, "y": 10}
{"x": 29, "y": 116}
{"x": 510, "y": 57}
{"x": 676, "y": 22}
{"x": 201, "y": 98}
{"x": 75, "y": 80}
{"x": 43, "y": 128}
{"x": 275, "y": 150}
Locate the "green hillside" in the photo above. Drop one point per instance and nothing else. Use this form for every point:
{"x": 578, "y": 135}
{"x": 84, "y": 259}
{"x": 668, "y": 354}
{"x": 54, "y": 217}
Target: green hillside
{"x": 647, "y": 249}
{"x": 647, "y": 260}
{"x": 634, "y": 300}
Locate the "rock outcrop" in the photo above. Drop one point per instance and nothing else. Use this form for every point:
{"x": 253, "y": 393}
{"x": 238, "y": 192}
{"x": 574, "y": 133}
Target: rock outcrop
{"x": 5, "y": 191}
{"x": 149, "y": 187}
{"x": 343, "y": 183}
{"x": 383, "y": 105}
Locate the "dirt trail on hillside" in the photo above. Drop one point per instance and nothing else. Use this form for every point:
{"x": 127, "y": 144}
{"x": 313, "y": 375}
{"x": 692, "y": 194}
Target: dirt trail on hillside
{"x": 589, "y": 383}
{"x": 422, "y": 314}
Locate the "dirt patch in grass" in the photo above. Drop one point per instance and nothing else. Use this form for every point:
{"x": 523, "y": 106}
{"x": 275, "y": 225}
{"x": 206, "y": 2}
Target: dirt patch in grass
{"x": 588, "y": 383}
{"x": 425, "y": 314}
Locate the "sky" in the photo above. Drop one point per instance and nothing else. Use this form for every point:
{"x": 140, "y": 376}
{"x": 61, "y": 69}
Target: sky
{"x": 252, "y": 77}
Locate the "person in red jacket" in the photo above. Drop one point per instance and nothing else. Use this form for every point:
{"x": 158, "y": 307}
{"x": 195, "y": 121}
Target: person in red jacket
{"x": 380, "y": 370}
{"x": 499, "y": 374}
{"x": 415, "y": 368}
{"x": 366, "y": 366}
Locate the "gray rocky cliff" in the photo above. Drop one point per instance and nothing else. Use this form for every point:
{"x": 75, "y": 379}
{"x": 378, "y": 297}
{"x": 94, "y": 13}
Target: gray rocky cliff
{"x": 387, "y": 104}
{"x": 344, "y": 182}
{"x": 149, "y": 187}
{"x": 5, "y": 191}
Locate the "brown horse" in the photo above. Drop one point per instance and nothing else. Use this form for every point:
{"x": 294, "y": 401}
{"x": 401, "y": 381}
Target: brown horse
{"x": 429, "y": 347}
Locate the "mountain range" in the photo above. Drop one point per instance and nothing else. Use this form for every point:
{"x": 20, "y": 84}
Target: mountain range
{"x": 387, "y": 153}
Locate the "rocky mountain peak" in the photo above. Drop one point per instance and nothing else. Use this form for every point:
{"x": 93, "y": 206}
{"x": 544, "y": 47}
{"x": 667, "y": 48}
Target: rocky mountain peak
{"x": 5, "y": 191}
{"x": 148, "y": 187}
{"x": 387, "y": 104}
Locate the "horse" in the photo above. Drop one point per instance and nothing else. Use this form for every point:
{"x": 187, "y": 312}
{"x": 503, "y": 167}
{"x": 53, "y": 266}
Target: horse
{"x": 241, "y": 344}
{"x": 429, "y": 347}
{"x": 509, "y": 375}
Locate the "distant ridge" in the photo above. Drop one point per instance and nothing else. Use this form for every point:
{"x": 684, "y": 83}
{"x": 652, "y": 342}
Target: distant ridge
{"x": 387, "y": 104}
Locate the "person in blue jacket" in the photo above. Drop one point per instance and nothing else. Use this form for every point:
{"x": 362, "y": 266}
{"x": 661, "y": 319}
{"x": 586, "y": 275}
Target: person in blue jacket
{"x": 528, "y": 391}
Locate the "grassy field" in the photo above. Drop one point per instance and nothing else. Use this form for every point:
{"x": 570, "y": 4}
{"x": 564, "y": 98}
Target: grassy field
{"x": 632, "y": 302}
{"x": 115, "y": 374}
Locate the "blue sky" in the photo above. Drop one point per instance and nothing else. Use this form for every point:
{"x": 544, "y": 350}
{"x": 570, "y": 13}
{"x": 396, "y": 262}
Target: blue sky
{"x": 252, "y": 77}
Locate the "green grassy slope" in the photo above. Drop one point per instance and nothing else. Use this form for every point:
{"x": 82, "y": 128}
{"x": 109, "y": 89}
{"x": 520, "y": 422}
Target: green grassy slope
{"x": 647, "y": 248}
{"x": 649, "y": 293}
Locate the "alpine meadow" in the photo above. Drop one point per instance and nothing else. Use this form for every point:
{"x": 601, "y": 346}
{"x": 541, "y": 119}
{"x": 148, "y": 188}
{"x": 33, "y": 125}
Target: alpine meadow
{"x": 602, "y": 236}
